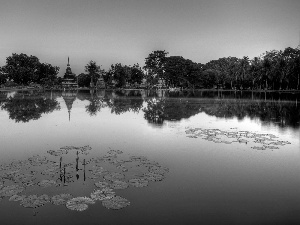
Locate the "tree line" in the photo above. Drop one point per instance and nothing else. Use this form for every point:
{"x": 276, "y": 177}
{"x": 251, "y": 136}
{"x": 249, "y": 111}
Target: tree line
{"x": 276, "y": 70}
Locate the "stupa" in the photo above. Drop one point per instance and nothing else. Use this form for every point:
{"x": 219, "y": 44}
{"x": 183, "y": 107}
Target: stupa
{"x": 69, "y": 79}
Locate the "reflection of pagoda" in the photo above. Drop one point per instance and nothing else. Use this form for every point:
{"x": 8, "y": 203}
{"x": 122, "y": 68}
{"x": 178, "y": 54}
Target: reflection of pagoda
{"x": 69, "y": 79}
{"x": 69, "y": 97}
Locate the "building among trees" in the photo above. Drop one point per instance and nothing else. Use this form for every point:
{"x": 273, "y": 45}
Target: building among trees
{"x": 69, "y": 79}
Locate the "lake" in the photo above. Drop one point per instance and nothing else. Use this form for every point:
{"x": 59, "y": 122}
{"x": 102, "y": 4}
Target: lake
{"x": 149, "y": 157}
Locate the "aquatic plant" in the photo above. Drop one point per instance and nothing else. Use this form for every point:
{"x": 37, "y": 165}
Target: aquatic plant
{"x": 102, "y": 184}
{"x": 25, "y": 172}
{"x": 116, "y": 203}
{"x": 47, "y": 183}
{"x": 103, "y": 194}
{"x": 268, "y": 141}
{"x": 61, "y": 199}
{"x": 79, "y": 203}
{"x": 118, "y": 184}
{"x": 114, "y": 176}
{"x": 11, "y": 190}
{"x": 34, "y": 201}
{"x": 153, "y": 176}
{"x": 16, "y": 198}
{"x": 158, "y": 169}
{"x": 138, "y": 182}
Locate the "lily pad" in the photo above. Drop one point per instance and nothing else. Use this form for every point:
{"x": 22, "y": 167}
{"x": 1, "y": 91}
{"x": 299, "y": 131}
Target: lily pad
{"x": 153, "y": 176}
{"x": 79, "y": 203}
{"x": 53, "y": 171}
{"x": 59, "y": 152}
{"x": 116, "y": 203}
{"x": 11, "y": 190}
{"x": 258, "y": 148}
{"x": 118, "y": 184}
{"x": 138, "y": 158}
{"x": 33, "y": 201}
{"x": 103, "y": 194}
{"x": 138, "y": 182}
{"x": 47, "y": 183}
{"x": 16, "y": 198}
{"x": 61, "y": 199}
{"x": 114, "y": 176}
{"x": 114, "y": 152}
{"x": 99, "y": 171}
{"x": 38, "y": 160}
{"x": 101, "y": 184}
{"x": 158, "y": 169}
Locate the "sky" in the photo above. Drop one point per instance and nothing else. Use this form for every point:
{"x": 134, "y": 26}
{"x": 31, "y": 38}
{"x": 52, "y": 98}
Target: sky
{"x": 126, "y": 31}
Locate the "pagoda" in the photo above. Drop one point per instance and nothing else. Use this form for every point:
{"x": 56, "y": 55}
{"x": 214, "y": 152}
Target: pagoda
{"x": 69, "y": 79}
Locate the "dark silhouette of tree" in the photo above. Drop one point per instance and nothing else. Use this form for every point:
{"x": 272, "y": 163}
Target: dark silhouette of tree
{"x": 23, "y": 108}
{"x": 93, "y": 71}
{"x": 23, "y": 69}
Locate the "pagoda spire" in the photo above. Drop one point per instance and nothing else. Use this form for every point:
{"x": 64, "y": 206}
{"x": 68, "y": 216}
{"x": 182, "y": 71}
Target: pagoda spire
{"x": 68, "y": 61}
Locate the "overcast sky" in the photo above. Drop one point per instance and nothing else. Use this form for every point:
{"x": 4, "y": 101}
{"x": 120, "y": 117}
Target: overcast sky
{"x": 126, "y": 31}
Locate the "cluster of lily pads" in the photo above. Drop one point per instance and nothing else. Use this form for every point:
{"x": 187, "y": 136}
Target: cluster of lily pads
{"x": 107, "y": 173}
{"x": 255, "y": 140}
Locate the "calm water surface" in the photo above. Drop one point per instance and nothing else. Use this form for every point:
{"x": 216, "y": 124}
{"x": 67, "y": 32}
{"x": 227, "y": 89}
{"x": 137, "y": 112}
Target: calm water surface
{"x": 232, "y": 157}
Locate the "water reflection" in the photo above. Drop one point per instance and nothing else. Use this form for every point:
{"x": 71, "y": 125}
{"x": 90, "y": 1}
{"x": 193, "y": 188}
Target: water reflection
{"x": 26, "y": 106}
{"x": 281, "y": 109}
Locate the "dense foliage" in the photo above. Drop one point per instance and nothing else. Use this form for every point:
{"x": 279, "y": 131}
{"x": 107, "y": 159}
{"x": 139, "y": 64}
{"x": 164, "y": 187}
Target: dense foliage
{"x": 273, "y": 70}
{"x": 276, "y": 70}
{"x": 24, "y": 69}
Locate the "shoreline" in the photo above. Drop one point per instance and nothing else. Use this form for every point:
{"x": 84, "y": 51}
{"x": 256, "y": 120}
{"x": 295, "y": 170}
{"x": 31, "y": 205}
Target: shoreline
{"x": 136, "y": 89}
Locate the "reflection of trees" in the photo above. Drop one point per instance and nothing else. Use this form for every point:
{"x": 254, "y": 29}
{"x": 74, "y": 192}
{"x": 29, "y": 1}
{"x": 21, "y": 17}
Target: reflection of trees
{"x": 94, "y": 106}
{"x": 96, "y": 103}
{"x": 276, "y": 112}
{"x": 125, "y": 101}
{"x": 31, "y": 107}
{"x": 2, "y": 97}
{"x": 267, "y": 107}
{"x": 157, "y": 111}
{"x": 118, "y": 101}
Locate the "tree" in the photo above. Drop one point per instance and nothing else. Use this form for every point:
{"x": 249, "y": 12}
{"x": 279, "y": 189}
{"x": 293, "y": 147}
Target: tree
{"x": 84, "y": 80}
{"x": 255, "y": 71}
{"x": 24, "y": 69}
{"x": 47, "y": 74}
{"x": 154, "y": 64}
{"x": 3, "y": 76}
{"x": 243, "y": 67}
{"x": 120, "y": 74}
{"x": 93, "y": 71}
{"x": 136, "y": 74}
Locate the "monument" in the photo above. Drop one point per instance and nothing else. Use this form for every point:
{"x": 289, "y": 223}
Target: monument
{"x": 69, "y": 79}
